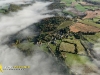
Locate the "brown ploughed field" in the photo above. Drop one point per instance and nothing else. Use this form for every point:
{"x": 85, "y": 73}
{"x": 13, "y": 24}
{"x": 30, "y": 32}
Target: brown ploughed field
{"x": 80, "y": 27}
{"x": 92, "y": 14}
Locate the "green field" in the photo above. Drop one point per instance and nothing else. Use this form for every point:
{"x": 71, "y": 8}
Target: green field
{"x": 67, "y": 47}
{"x": 74, "y": 59}
{"x": 68, "y": 2}
{"x": 84, "y": 8}
{"x": 91, "y": 22}
{"x": 80, "y": 8}
{"x": 2, "y": 11}
{"x": 77, "y": 63}
{"x": 64, "y": 24}
{"x": 80, "y": 48}
{"x": 25, "y": 46}
{"x": 92, "y": 38}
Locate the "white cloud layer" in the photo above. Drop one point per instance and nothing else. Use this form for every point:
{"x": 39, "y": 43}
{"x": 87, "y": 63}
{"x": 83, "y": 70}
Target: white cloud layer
{"x": 4, "y": 2}
{"x": 39, "y": 63}
{"x": 96, "y": 53}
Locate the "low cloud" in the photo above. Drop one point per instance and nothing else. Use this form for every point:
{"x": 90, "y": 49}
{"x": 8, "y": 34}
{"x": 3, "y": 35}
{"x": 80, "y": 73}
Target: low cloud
{"x": 96, "y": 53}
{"x": 5, "y": 2}
{"x": 14, "y": 22}
{"x": 40, "y": 63}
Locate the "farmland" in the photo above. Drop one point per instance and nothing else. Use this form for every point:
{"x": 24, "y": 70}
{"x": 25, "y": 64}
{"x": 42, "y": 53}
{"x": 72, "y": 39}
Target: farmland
{"x": 83, "y": 28}
{"x": 68, "y": 35}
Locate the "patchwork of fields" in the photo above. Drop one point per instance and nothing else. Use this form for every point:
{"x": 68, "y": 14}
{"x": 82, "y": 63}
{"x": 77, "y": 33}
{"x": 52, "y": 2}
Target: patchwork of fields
{"x": 62, "y": 35}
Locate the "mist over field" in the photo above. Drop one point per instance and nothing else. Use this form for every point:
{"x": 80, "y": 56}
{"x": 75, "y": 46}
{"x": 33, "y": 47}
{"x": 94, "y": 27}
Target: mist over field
{"x": 10, "y": 24}
{"x": 4, "y": 2}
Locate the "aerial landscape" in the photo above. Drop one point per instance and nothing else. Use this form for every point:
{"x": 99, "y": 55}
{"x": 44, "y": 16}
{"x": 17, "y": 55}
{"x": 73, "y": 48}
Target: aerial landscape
{"x": 53, "y": 37}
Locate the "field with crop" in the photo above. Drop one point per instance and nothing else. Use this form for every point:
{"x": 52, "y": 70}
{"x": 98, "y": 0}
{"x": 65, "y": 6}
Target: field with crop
{"x": 70, "y": 46}
{"x": 68, "y": 2}
{"x": 79, "y": 27}
{"x": 91, "y": 22}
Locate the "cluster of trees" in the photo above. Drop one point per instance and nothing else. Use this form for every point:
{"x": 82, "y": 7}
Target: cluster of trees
{"x": 57, "y": 6}
{"x": 48, "y": 29}
{"x": 77, "y": 35}
{"x": 43, "y": 37}
{"x": 50, "y": 24}
{"x": 48, "y": 36}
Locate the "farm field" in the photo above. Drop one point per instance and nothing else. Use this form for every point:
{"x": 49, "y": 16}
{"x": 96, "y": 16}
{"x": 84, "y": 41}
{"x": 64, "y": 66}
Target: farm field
{"x": 65, "y": 24}
{"x": 66, "y": 32}
{"x": 79, "y": 27}
{"x": 91, "y": 22}
{"x": 81, "y": 62}
{"x": 92, "y": 38}
{"x": 68, "y": 2}
{"x": 76, "y": 43}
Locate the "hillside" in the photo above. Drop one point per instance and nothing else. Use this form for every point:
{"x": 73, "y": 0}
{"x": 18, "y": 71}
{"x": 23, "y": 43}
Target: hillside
{"x": 61, "y": 42}
{"x": 69, "y": 35}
